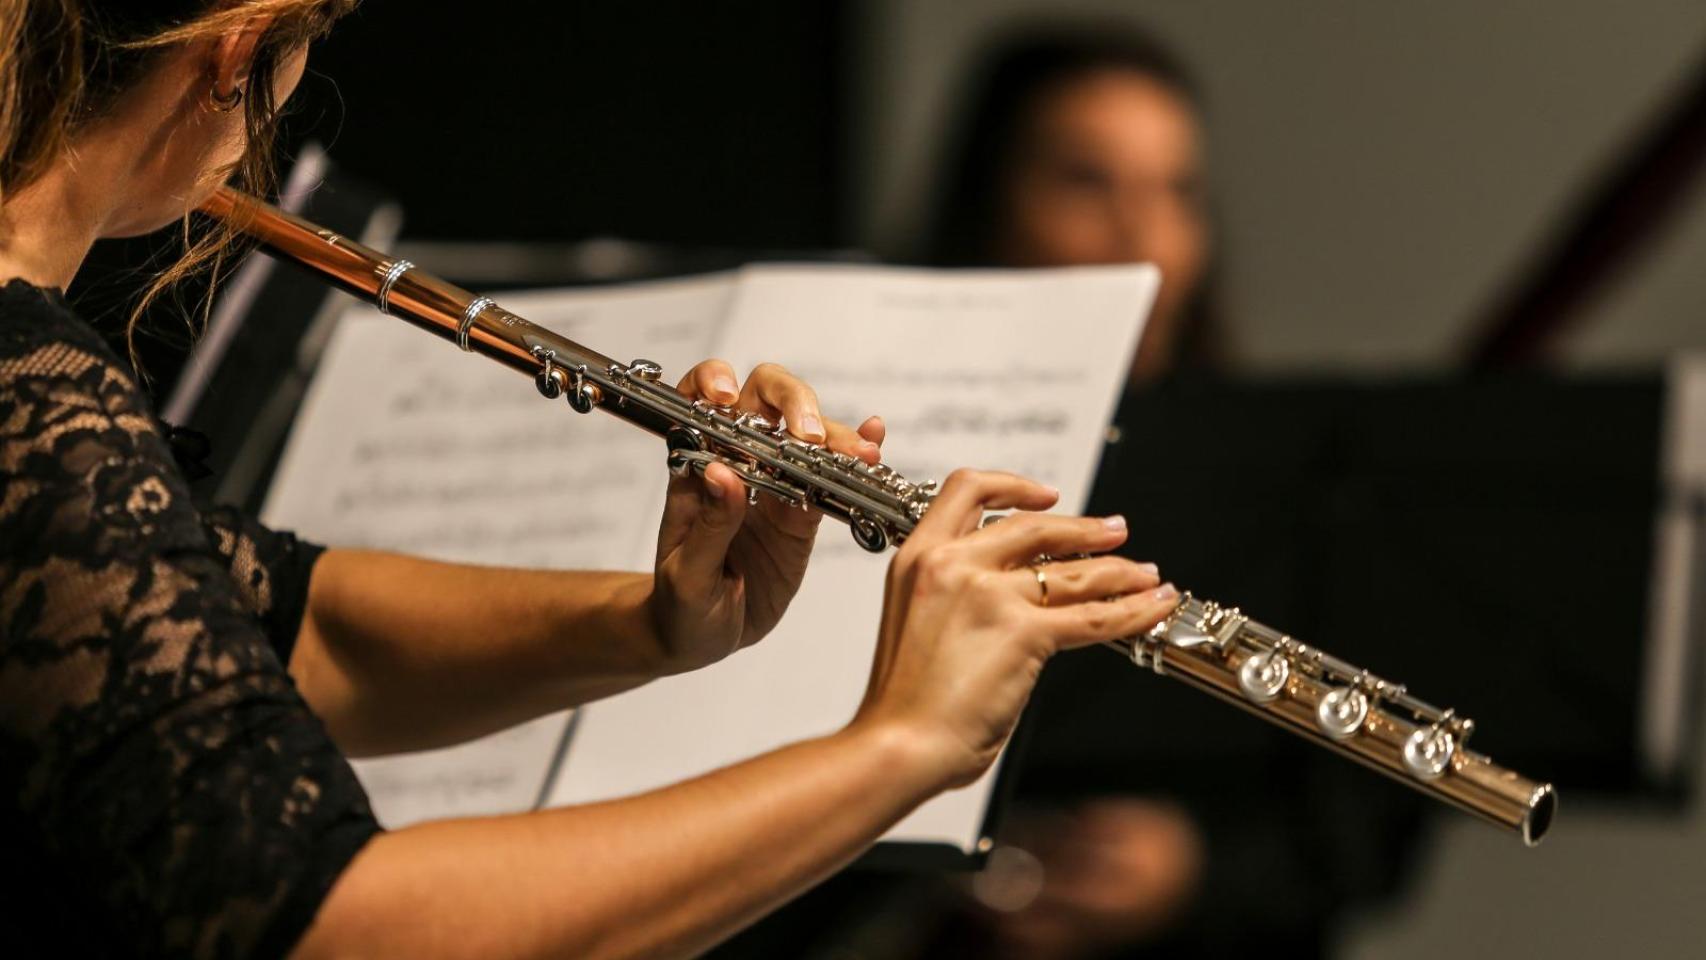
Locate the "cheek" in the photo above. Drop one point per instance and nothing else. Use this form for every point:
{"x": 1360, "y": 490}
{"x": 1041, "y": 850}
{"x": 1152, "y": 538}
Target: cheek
{"x": 232, "y": 141}
{"x": 183, "y": 166}
{"x": 1055, "y": 227}
{"x": 1178, "y": 243}
{"x": 227, "y": 139}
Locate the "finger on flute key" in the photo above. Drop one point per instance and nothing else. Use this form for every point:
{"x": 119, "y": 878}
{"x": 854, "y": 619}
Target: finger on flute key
{"x": 1088, "y": 579}
{"x": 966, "y": 494}
{"x": 711, "y": 380}
{"x": 1083, "y": 624}
{"x": 1025, "y": 536}
{"x": 771, "y": 390}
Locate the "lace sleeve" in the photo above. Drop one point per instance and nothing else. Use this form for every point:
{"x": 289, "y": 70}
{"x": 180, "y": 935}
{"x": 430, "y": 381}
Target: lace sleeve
{"x": 271, "y": 569}
{"x": 166, "y": 791}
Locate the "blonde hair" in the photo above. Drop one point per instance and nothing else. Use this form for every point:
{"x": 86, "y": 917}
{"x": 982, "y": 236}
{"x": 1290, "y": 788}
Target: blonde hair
{"x": 63, "y": 63}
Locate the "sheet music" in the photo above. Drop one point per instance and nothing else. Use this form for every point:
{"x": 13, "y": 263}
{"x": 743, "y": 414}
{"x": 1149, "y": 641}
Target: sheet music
{"x": 994, "y": 369}
{"x": 406, "y": 443}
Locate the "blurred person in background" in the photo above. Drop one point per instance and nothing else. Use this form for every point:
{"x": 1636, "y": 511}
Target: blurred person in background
{"x": 1085, "y": 146}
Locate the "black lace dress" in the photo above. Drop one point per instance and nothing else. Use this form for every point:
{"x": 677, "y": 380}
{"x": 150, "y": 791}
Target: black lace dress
{"x": 164, "y": 789}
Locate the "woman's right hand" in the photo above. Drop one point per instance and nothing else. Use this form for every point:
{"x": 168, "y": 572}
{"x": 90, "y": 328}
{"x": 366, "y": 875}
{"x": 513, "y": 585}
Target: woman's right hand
{"x": 965, "y": 629}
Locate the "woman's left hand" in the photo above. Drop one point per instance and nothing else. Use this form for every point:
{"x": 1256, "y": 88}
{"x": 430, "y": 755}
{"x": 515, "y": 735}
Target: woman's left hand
{"x": 726, "y": 570}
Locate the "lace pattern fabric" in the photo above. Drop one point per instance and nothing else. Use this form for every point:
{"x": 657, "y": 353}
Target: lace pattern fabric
{"x": 164, "y": 789}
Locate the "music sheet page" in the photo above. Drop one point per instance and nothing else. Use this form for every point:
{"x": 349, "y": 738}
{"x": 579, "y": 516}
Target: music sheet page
{"x": 990, "y": 369}
{"x": 406, "y": 443}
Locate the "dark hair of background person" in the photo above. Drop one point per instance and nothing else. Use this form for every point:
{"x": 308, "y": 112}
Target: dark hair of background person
{"x": 1008, "y": 80}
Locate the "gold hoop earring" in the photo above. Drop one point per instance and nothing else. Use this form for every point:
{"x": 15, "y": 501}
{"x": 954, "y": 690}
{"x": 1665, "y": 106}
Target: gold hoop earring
{"x": 227, "y": 103}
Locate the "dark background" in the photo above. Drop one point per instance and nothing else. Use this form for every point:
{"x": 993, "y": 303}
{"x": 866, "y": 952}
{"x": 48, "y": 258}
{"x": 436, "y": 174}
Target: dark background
{"x": 725, "y": 129}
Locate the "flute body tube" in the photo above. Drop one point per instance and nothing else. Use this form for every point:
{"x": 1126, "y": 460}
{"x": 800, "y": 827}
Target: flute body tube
{"x": 1215, "y": 649}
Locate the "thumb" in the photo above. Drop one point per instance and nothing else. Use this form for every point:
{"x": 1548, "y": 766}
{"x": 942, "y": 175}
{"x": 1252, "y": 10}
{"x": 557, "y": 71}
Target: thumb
{"x": 701, "y": 518}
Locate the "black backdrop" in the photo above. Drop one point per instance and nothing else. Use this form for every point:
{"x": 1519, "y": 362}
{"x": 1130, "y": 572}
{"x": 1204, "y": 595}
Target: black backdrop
{"x": 683, "y": 122}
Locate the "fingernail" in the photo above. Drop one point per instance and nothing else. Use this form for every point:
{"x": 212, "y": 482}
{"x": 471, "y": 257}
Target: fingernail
{"x": 1164, "y": 592}
{"x": 711, "y": 488}
{"x": 1150, "y": 569}
{"x": 726, "y": 387}
{"x": 811, "y": 426}
{"x": 1115, "y": 522}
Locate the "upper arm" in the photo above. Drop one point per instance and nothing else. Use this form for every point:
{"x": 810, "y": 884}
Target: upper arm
{"x": 165, "y": 776}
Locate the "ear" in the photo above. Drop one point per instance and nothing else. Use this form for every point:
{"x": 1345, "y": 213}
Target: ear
{"x": 234, "y": 56}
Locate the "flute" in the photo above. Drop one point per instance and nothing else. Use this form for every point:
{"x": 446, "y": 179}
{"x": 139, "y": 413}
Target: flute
{"x": 1216, "y": 649}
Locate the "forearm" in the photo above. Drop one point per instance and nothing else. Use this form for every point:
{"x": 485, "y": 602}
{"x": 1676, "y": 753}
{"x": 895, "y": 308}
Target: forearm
{"x": 400, "y": 653}
{"x": 664, "y": 874}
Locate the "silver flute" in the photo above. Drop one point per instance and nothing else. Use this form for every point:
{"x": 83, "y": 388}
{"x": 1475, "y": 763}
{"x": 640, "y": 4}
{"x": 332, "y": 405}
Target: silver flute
{"x": 1213, "y": 648}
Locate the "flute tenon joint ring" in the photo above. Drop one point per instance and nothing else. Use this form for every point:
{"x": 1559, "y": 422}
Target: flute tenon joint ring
{"x": 382, "y": 298}
{"x": 471, "y": 313}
